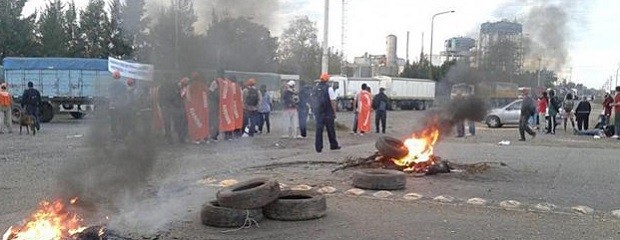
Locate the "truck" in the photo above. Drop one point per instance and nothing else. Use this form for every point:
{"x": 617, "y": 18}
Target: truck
{"x": 72, "y": 85}
{"x": 495, "y": 94}
{"x": 404, "y": 93}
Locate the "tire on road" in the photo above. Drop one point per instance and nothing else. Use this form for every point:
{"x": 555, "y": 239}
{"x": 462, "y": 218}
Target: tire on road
{"x": 379, "y": 179}
{"x": 391, "y": 147}
{"x": 212, "y": 214}
{"x": 250, "y": 194}
{"x": 296, "y": 205}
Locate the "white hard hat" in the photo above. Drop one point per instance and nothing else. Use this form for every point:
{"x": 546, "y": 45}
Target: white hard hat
{"x": 291, "y": 83}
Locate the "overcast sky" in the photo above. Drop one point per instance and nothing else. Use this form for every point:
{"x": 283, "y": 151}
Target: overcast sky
{"x": 592, "y": 41}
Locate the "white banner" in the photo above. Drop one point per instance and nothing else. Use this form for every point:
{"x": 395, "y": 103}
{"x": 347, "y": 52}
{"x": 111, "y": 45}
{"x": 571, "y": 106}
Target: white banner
{"x": 136, "y": 71}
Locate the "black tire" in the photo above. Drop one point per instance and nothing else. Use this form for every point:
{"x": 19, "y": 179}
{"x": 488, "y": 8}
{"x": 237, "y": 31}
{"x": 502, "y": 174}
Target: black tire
{"x": 391, "y": 147}
{"x": 493, "y": 122}
{"x": 16, "y": 113}
{"x": 296, "y": 205}
{"x": 379, "y": 179}
{"x": 212, "y": 214}
{"x": 77, "y": 115}
{"x": 250, "y": 194}
{"x": 46, "y": 112}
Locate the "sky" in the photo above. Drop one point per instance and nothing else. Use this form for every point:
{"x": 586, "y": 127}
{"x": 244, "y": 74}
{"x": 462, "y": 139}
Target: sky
{"x": 592, "y": 37}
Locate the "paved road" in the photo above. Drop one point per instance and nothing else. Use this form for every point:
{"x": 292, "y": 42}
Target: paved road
{"x": 562, "y": 170}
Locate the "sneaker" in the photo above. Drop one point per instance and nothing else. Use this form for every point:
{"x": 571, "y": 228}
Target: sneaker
{"x": 614, "y": 136}
{"x": 299, "y": 137}
{"x": 522, "y": 139}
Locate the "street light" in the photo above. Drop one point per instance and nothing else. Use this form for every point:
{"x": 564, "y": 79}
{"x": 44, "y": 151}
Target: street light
{"x": 430, "y": 55}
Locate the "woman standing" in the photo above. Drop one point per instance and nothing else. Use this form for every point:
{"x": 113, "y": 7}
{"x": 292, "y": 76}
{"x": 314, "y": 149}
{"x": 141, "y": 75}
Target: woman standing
{"x": 264, "y": 108}
{"x": 567, "y": 105}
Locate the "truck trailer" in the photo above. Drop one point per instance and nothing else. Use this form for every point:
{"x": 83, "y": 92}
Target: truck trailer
{"x": 70, "y": 85}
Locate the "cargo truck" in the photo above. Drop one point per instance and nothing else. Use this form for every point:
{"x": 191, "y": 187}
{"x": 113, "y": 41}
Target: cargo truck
{"x": 404, "y": 93}
{"x": 70, "y": 85}
{"x": 495, "y": 94}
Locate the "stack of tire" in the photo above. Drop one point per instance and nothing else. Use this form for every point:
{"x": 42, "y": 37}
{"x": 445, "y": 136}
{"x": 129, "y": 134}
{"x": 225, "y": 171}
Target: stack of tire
{"x": 257, "y": 198}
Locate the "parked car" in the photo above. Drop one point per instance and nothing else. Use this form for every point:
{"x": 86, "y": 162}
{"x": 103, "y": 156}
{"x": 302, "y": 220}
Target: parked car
{"x": 509, "y": 114}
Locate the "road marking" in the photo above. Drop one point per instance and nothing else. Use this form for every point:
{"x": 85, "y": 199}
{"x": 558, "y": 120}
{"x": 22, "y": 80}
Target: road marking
{"x": 383, "y": 194}
{"x": 477, "y": 201}
{"x": 510, "y": 204}
{"x": 413, "y": 196}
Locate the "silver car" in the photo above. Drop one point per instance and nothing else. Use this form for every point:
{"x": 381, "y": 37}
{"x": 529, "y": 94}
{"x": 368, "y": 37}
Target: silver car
{"x": 508, "y": 114}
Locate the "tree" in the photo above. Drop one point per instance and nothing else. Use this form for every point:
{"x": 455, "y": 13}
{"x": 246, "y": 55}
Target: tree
{"x": 120, "y": 46}
{"x": 135, "y": 24}
{"x": 16, "y": 32}
{"x": 172, "y": 37}
{"x": 74, "y": 45}
{"x": 95, "y": 30}
{"x": 239, "y": 44}
{"x": 52, "y": 36}
{"x": 299, "y": 50}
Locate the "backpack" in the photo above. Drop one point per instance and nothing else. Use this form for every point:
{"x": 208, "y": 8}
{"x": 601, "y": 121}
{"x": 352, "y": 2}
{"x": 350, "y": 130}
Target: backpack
{"x": 252, "y": 97}
{"x": 320, "y": 98}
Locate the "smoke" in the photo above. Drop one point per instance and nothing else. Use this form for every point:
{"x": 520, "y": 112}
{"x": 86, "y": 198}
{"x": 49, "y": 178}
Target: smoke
{"x": 455, "y": 112}
{"x": 262, "y": 12}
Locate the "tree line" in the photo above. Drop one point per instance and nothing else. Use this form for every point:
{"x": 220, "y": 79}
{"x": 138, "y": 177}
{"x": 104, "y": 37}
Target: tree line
{"x": 165, "y": 37}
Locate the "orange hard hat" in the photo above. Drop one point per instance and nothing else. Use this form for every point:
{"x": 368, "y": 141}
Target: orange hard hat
{"x": 324, "y": 77}
{"x": 130, "y": 82}
{"x": 116, "y": 74}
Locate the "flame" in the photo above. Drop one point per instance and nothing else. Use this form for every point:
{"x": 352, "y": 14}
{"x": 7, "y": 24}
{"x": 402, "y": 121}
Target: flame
{"x": 50, "y": 222}
{"x": 420, "y": 147}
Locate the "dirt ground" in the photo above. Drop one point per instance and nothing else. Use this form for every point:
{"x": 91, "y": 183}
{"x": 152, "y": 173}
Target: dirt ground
{"x": 182, "y": 177}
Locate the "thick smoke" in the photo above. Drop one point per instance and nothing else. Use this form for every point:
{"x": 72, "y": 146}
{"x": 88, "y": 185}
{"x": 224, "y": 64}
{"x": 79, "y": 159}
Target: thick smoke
{"x": 262, "y": 12}
{"x": 454, "y": 112}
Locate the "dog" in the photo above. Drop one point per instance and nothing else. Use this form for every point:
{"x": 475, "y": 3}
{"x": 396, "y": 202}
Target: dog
{"x": 25, "y": 120}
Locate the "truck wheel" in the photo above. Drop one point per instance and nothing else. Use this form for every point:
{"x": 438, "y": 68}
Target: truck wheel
{"x": 77, "y": 115}
{"x": 46, "y": 112}
{"x": 394, "y": 106}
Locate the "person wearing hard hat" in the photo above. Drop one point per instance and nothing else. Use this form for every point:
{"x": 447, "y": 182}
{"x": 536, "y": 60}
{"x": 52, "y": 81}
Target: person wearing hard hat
{"x": 324, "y": 109}
{"x": 6, "y": 102}
{"x": 290, "y": 99}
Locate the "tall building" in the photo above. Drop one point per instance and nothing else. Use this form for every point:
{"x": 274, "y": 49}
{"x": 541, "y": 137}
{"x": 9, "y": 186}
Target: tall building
{"x": 458, "y": 48}
{"x": 500, "y": 47}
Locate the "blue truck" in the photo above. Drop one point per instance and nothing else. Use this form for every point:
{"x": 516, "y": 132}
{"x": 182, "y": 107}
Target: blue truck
{"x": 72, "y": 85}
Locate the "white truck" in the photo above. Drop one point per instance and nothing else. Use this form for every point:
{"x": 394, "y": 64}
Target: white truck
{"x": 404, "y": 93}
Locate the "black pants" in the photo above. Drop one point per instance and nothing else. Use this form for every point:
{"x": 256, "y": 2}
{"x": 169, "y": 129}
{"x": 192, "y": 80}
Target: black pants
{"x": 380, "y": 117}
{"x": 583, "y": 120}
{"x": 354, "y": 128}
{"x": 329, "y": 123}
{"x": 524, "y": 127}
{"x": 264, "y": 121}
{"x": 551, "y": 124}
{"x": 174, "y": 116}
{"x": 214, "y": 121}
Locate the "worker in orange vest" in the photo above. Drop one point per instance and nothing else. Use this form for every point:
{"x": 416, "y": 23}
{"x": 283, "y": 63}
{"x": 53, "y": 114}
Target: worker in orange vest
{"x": 6, "y": 102}
{"x": 364, "y": 108}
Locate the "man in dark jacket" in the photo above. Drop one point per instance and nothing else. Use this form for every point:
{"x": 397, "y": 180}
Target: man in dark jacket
{"x": 380, "y": 104}
{"x": 173, "y": 110}
{"x": 554, "y": 109}
{"x": 582, "y": 113}
{"x": 31, "y": 100}
{"x": 528, "y": 108}
{"x": 324, "y": 108}
{"x": 302, "y": 107}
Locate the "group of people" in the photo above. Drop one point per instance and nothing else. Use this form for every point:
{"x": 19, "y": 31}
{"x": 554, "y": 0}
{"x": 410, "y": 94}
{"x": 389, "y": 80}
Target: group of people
{"x": 547, "y": 108}
{"x": 363, "y": 104}
{"x": 200, "y": 112}
{"x": 30, "y": 103}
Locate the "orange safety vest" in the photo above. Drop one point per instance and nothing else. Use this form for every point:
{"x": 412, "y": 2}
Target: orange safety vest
{"x": 363, "y": 117}
{"x": 197, "y": 110}
{"x": 5, "y": 99}
{"x": 237, "y": 105}
{"x": 227, "y": 119}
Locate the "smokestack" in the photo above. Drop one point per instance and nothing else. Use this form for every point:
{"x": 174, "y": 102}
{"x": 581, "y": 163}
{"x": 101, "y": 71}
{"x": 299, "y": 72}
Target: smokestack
{"x": 407, "y": 47}
{"x": 391, "y": 51}
{"x": 325, "y": 63}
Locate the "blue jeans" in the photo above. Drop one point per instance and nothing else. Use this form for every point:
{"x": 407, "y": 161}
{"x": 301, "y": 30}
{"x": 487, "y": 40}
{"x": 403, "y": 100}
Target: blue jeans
{"x": 472, "y": 127}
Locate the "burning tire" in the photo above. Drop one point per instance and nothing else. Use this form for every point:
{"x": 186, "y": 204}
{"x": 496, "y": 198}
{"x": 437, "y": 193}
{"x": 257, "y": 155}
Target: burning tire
{"x": 296, "y": 205}
{"x": 212, "y": 214}
{"x": 391, "y": 147}
{"x": 379, "y": 179}
{"x": 251, "y": 194}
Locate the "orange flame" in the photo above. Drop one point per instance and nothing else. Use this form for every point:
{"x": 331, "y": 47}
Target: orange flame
{"x": 420, "y": 147}
{"x": 50, "y": 222}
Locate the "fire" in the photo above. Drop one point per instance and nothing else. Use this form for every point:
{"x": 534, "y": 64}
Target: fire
{"x": 51, "y": 221}
{"x": 420, "y": 147}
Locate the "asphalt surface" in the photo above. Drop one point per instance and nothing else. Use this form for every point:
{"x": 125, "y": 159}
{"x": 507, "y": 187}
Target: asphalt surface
{"x": 561, "y": 171}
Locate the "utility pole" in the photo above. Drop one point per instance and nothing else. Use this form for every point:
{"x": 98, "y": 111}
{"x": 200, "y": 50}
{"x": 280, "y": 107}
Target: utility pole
{"x": 343, "y": 65}
{"x": 617, "y": 74}
{"x": 325, "y": 62}
{"x": 430, "y": 55}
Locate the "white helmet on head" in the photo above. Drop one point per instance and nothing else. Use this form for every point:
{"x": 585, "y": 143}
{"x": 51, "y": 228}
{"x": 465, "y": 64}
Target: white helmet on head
{"x": 291, "y": 83}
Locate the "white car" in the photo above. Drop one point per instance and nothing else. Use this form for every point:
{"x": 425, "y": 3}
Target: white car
{"x": 508, "y": 114}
